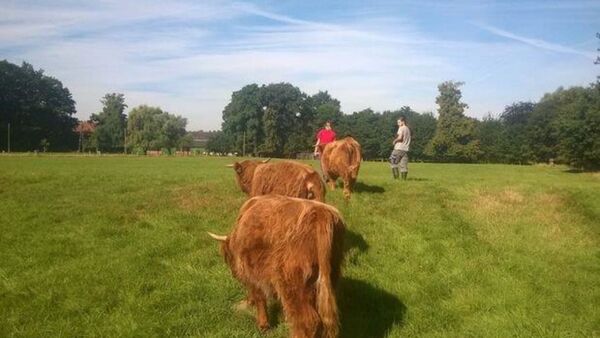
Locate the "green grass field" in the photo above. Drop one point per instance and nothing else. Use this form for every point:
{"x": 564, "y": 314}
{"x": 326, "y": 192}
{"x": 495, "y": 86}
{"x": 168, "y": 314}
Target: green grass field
{"x": 116, "y": 247}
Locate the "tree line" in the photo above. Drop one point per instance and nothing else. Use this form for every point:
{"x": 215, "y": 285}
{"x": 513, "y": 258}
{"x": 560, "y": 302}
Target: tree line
{"x": 36, "y": 114}
{"x": 144, "y": 128}
{"x": 280, "y": 120}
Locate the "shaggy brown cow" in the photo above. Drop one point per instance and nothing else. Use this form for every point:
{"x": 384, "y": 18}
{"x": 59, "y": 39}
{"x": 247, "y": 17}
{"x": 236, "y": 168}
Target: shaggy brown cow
{"x": 287, "y": 178}
{"x": 341, "y": 159}
{"x": 290, "y": 248}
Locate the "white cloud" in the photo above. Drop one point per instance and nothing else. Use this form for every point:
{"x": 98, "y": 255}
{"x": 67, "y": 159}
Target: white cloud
{"x": 538, "y": 43}
{"x": 188, "y": 57}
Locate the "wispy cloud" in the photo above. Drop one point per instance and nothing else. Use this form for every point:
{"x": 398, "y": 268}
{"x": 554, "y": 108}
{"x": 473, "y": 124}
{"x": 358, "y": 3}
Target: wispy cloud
{"x": 188, "y": 56}
{"x": 538, "y": 43}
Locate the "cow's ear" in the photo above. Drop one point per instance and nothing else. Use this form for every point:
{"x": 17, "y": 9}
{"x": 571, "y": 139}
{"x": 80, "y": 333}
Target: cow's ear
{"x": 238, "y": 168}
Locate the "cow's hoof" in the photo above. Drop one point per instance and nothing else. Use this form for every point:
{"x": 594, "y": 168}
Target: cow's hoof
{"x": 244, "y": 306}
{"x": 264, "y": 328}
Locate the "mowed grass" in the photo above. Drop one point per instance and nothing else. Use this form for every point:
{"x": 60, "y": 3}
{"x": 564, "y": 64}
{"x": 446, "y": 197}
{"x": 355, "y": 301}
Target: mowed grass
{"x": 116, "y": 247}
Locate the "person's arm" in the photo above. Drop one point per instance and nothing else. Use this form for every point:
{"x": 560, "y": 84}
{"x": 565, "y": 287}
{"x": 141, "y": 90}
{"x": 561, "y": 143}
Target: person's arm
{"x": 318, "y": 142}
{"x": 397, "y": 139}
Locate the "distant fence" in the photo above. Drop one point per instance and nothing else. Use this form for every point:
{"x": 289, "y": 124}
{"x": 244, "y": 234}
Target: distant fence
{"x": 305, "y": 156}
{"x": 187, "y": 153}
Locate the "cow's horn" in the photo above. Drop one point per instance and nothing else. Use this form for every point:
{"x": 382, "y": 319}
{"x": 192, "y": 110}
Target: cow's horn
{"x": 229, "y": 165}
{"x": 217, "y": 237}
{"x": 267, "y": 160}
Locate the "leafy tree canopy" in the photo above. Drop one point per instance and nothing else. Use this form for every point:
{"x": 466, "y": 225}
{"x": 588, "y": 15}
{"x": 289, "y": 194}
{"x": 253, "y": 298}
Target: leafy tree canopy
{"x": 39, "y": 109}
{"x": 110, "y": 123}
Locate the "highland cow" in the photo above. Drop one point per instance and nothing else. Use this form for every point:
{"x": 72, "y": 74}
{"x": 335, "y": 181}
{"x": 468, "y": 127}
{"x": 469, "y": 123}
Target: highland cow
{"x": 288, "y": 178}
{"x": 341, "y": 159}
{"x": 290, "y": 248}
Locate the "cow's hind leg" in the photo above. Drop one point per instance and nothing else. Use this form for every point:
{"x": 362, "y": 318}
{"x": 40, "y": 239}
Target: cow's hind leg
{"x": 300, "y": 311}
{"x": 348, "y": 183}
{"x": 259, "y": 299}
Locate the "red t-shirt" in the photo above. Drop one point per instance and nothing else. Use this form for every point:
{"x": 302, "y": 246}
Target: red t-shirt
{"x": 326, "y": 136}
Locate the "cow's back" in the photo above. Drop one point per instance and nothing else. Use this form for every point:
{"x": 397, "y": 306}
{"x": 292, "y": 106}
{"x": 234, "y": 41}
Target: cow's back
{"x": 277, "y": 233}
{"x": 288, "y": 178}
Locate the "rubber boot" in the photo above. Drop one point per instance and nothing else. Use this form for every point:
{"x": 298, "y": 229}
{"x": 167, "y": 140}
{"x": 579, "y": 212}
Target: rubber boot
{"x": 404, "y": 174}
{"x": 395, "y": 173}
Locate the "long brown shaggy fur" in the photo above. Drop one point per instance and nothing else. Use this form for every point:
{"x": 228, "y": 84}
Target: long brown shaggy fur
{"x": 288, "y": 178}
{"x": 291, "y": 248}
{"x": 342, "y": 159}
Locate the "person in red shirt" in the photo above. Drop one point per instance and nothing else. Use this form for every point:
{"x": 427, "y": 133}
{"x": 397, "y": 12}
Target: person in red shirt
{"x": 324, "y": 136}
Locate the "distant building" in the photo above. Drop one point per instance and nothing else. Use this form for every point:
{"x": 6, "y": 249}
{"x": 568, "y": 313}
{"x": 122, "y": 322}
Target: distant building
{"x": 200, "y": 137}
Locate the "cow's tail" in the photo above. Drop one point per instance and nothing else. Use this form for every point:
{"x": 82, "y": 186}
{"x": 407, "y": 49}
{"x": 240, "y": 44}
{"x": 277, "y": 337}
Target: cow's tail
{"x": 354, "y": 155}
{"x": 326, "y": 304}
{"x": 357, "y": 156}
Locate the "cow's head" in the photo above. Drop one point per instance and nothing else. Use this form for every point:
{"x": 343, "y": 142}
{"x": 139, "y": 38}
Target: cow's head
{"x": 225, "y": 250}
{"x": 244, "y": 173}
{"x": 315, "y": 189}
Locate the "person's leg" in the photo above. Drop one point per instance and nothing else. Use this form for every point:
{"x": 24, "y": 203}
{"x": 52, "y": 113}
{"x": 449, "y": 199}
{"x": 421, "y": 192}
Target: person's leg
{"x": 404, "y": 165}
{"x": 394, "y": 159}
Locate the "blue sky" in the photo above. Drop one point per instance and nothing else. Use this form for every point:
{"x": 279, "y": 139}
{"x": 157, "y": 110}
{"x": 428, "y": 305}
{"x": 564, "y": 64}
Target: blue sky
{"x": 189, "y": 56}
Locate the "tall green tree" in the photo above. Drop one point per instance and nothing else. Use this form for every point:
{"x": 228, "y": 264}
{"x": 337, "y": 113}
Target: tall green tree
{"x": 110, "y": 123}
{"x": 578, "y": 127}
{"x": 493, "y": 141}
{"x": 455, "y": 137}
{"x": 243, "y": 120}
{"x": 515, "y": 120}
{"x": 365, "y": 127}
{"x": 220, "y": 142}
{"x": 326, "y": 108}
{"x": 272, "y": 119}
{"x": 39, "y": 109}
{"x": 285, "y": 122}
{"x": 151, "y": 128}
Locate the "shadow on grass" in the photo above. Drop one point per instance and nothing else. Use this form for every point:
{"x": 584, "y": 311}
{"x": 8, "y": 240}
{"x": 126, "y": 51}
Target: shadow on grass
{"x": 362, "y": 187}
{"x": 354, "y": 240}
{"x": 367, "y": 311}
{"x": 417, "y": 179}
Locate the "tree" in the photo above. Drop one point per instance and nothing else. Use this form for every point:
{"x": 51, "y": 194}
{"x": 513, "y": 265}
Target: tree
{"x": 286, "y": 122}
{"x": 172, "y": 132}
{"x": 110, "y": 123}
{"x": 273, "y": 119}
{"x": 578, "y": 127}
{"x": 365, "y": 127}
{"x": 242, "y": 119}
{"x": 515, "y": 120}
{"x": 151, "y": 128}
{"x": 38, "y": 109}
{"x": 455, "y": 137}
{"x": 220, "y": 142}
{"x": 325, "y": 108}
{"x": 493, "y": 143}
